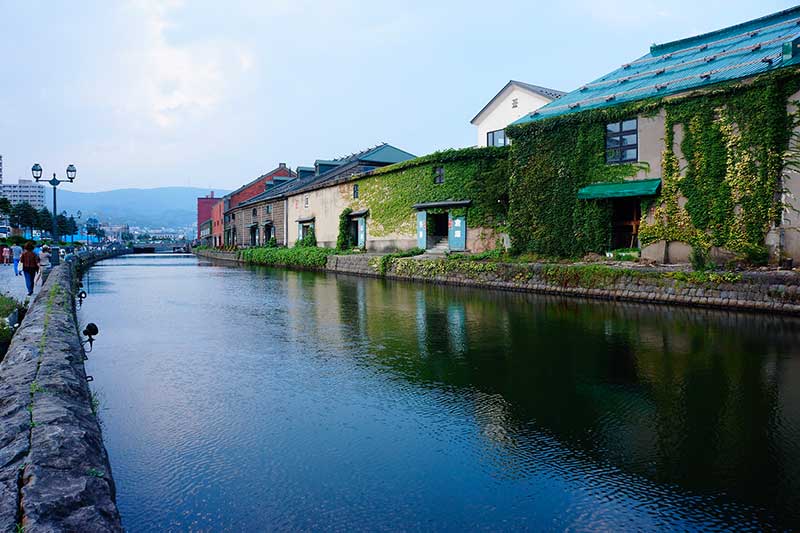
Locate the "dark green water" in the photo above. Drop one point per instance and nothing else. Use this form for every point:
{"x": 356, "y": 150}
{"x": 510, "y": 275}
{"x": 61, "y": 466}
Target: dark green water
{"x": 237, "y": 399}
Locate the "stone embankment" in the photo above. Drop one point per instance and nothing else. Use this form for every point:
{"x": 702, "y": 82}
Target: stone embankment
{"x": 774, "y": 292}
{"x": 54, "y": 469}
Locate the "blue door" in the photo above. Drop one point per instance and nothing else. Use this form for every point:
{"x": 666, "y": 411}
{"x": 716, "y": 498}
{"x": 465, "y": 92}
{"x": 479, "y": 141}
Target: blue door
{"x": 422, "y": 229}
{"x": 362, "y": 232}
{"x": 456, "y": 232}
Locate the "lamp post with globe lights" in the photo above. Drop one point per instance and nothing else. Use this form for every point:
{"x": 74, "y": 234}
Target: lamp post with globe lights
{"x": 36, "y": 171}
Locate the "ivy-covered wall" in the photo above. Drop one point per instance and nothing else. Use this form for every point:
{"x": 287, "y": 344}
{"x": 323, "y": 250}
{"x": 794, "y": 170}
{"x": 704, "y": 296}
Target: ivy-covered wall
{"x": 477, "y": 174}
{"x": 721, "y": 187}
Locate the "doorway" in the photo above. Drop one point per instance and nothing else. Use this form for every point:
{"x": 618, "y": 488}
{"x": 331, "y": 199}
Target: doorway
{"x": 437, "y": 228}
{"x": 626, "y": 215}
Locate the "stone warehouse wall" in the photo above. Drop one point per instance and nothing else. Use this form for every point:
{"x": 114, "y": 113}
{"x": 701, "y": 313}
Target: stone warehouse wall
{"x": 54, "y": 470}
{"x": 754, "y": 291}
{"x": 776, "y": 292}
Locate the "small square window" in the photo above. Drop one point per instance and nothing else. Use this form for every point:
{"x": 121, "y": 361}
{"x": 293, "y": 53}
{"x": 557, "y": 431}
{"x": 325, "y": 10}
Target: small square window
{"x": 305, "y": 201}
{"x": 438, "y": 175}
{"x": 355, "y": 190}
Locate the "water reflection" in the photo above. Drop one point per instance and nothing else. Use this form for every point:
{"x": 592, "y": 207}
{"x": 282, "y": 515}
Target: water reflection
{"x": 299, "y": 400}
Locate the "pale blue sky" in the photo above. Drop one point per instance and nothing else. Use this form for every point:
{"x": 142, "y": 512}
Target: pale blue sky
{"x": 210, "y": 93}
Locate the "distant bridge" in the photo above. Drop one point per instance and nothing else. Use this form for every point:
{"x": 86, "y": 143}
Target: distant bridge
{"x": 180, "y": 247}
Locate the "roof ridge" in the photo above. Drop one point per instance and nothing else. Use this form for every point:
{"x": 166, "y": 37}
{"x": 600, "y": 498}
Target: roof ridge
{"x": 753, "y": 22}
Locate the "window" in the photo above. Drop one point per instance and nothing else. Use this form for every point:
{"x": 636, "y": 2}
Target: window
{"x": 355, "y": 190}
{"x": 269, "y": 209}
{"x": 622, "y": 142}
{"x": 514, "y": 103}
{"x": 496, "y": 138}
{"x": 233, "y": 216}
{"x": 305, "y": 201}
{"x": 255, "y": 211}
{"x": 438, "y": 175}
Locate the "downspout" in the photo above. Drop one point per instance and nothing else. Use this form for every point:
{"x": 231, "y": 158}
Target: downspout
{"x": 286, "y": 221}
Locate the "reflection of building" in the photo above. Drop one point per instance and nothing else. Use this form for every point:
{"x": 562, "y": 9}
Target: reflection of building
{"x": 24, "y": 191}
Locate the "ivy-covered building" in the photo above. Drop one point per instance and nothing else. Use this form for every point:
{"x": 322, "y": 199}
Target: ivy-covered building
{"x": 451, "y": 200}
{"x": 683, "y": 148}
{"x": 310, "y": 209}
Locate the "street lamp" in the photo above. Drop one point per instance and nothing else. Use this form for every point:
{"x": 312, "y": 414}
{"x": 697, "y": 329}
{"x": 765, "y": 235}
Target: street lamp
{"x": 36, "y": 171}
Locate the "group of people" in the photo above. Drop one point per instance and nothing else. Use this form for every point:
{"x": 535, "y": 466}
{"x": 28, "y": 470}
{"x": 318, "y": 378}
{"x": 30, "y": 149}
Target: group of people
{"x": 35, "y": 263}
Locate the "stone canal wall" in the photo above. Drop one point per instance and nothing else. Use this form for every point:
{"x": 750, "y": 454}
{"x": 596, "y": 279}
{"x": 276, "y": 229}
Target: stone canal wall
{"x": 54, "y": 469}
{"x": 775, "y": 292}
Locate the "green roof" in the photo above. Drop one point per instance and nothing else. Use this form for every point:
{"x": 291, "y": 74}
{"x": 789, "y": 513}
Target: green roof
{"x": 598, "y": 191}
{"x": 737, "y": 52}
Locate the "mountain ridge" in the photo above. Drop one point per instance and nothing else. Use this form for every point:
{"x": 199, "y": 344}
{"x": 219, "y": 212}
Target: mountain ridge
{"x": 172, "y": 207}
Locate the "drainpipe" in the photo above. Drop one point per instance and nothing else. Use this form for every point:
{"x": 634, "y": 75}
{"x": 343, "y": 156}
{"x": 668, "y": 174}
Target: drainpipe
{"x": 286, "y": 222}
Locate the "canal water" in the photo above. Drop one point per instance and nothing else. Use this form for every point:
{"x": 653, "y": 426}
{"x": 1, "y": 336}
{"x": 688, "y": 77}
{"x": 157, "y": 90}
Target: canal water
{"x": 252, "y": 399}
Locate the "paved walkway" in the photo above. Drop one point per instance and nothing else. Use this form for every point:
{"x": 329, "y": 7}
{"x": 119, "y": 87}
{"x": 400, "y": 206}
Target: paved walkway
{"x": 14, "y": 286}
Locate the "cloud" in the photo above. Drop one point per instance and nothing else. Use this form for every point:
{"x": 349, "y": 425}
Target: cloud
{"x": 157, "y": 81}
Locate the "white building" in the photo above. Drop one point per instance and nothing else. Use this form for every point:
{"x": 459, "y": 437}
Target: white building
{"x": 514, "y": 101}
{"x": 24, "y": 191}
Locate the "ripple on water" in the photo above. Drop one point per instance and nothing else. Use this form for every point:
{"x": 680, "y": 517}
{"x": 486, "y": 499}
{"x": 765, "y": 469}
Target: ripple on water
{"x": 252, "y": 399}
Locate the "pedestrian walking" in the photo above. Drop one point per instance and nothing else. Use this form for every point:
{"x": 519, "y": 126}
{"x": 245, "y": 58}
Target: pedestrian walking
{"x": 6, "y": 255}
{"x": 30, "y": 266}
{"x": 44, "y": 263}
{"x": 16, "y": 253}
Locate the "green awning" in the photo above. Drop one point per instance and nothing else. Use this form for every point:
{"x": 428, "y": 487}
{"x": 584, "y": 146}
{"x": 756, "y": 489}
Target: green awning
{"x": 597, "y": 191}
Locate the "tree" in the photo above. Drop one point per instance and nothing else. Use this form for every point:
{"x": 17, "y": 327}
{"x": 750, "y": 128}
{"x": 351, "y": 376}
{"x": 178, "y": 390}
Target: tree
{"x": 5, "y": 207}
{"x": 44, "y": 220}
{"x": 72, "y": 227}
{"x": 126, "y": 236}
{"x": 62, "y": 223}
{"x": 24, "y": 215}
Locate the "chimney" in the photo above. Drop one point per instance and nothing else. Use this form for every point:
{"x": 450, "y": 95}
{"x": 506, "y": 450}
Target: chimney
{"x": 211, "y": 195}
{"x": 281, "y": 165}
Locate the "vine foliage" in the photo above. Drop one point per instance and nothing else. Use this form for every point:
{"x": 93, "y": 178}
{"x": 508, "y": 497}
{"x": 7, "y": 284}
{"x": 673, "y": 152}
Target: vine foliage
{"x": 721, "y": 171}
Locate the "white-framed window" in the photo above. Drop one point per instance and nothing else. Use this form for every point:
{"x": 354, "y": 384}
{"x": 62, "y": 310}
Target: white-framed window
{"x": 306, "y": 200}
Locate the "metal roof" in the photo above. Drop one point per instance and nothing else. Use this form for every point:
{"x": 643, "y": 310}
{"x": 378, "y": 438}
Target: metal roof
{"x": 382, "y": 153}
{"x": 550, "y": 94}
{"x": 624, "y": 189}
{"x": 740, "y": 51}
{"x": 444, "y": 203}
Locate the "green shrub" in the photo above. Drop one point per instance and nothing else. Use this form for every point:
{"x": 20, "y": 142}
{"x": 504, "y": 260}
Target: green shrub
{"x": 309, "y": 241}
{"x": 699, "y": 259}
{"x": 382, "y": 263}
{"x": 299, "y": 256}
{"x": 343, "y": 241}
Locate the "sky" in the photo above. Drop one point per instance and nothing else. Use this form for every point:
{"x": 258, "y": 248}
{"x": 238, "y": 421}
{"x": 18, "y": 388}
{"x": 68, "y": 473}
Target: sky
{"x": 210, "y": 93}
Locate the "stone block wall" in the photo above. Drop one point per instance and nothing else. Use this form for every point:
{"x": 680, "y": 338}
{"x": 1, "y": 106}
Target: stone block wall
{"x": 54, "y": 470}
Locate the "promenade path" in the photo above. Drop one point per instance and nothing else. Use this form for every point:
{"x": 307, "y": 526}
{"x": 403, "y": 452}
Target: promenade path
{"x": 14, "y": 286}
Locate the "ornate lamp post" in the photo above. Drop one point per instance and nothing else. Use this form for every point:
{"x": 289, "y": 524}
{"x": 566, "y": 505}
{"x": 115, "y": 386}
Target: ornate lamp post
{"x": 36, "y": 170}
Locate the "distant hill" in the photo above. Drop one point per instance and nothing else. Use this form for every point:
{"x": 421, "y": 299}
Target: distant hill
{"x": 163, "y": 206}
